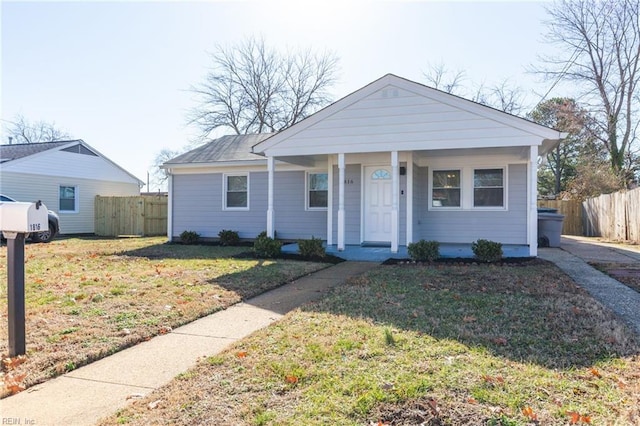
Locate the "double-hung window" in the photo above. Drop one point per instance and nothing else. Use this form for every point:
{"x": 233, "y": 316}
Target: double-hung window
{"x": 446, "y": 188}
{"x": 236, "y": 189}
{"x": 317, "y": 190}
{"x": 488, "y": 188}
{"x": 68, "y": 199}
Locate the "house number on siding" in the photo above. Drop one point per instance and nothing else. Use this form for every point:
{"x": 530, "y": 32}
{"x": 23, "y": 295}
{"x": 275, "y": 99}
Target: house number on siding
{"x": 348, "y": 181}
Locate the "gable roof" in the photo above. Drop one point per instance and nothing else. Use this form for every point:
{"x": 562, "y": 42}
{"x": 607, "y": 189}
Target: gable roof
{"x": 16, "y": 151}
{"x": 230, "y": 148}
{"x": 21, "y": 152}
{"x": 393, "y": 113}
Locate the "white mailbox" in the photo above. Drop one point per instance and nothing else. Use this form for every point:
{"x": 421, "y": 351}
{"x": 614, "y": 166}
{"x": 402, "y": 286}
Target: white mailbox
{"x": 23, "y": 217}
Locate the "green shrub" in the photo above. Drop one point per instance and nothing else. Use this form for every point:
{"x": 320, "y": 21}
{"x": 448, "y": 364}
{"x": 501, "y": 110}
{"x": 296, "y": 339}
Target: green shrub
{"x": 228, "y": 238}
{"x": 266, "y": 247}
{"x": 423, "y": 251}
{"x": 487, "y": 251}
{"x": 311, "y": 248}
{"x": 189, "y": 237}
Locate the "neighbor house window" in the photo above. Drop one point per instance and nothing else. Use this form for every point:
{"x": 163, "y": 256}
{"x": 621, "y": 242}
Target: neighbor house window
{"x": 446, "y": 188}
{"x": 236, "y": 188}
{"x": 488, "y": 188}
{"x": 317, "y": 190}
{"x": 68, "y": 199}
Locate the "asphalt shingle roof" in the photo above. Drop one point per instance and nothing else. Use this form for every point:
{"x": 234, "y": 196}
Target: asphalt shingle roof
{"x": 16, "y": 151}
{"x": 226, "y": 148}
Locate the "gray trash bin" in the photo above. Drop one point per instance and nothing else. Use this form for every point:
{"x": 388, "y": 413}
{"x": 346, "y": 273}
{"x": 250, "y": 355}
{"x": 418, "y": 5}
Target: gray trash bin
{"x": 549, "y": 229}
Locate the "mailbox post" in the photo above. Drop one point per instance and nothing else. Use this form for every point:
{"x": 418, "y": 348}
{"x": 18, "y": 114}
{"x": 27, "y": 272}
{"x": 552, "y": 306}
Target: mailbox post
{"x": 17, "y": 220}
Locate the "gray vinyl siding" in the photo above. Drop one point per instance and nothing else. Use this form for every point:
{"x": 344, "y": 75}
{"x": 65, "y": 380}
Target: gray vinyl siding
{"x": 198, "y": 206}
{"x": 292, "y": 219}
{"x": 507, "y": 227}
{"x": 352, "y": 203}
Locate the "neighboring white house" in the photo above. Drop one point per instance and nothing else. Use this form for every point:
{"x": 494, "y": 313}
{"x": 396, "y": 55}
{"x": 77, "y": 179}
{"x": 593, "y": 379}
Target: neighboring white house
{"x": 390, "y": 164}
{"x": 66, "y": 176}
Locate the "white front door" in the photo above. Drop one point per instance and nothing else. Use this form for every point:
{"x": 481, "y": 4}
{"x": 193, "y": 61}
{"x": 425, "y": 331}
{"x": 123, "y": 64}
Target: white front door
{"x": 377, "y": 204}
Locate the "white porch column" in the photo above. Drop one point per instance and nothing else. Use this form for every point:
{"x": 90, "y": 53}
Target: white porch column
{"x": 170, "y": 208}
{"x": 270, "y": 217}
{"x": 409, "y": 198}
{"x": 330, "y": 200}
{"x": 341, "y": 202}
{"x": 395, "y": 194}
{"x": 532, "y": 200}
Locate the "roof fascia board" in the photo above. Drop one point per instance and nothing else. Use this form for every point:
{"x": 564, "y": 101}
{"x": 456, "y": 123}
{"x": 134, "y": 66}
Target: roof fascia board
{"x": 215, "y": 164}
{"x": 242, "y": 168}
{"x": 140, "y": 182}
{"x": 406, "y": 146}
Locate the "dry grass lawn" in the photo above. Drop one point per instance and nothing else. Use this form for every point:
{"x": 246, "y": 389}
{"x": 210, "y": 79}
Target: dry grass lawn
{"x": 87, "y": 298}
{"x": 420, "y": 345}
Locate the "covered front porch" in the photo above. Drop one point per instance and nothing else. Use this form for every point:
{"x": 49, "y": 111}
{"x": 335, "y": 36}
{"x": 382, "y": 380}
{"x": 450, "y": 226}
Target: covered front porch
{"x": 380, "y": 254}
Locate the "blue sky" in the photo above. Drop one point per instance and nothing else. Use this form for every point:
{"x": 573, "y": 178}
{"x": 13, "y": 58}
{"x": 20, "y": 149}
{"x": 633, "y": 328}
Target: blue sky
{"x": 117, "y": 74}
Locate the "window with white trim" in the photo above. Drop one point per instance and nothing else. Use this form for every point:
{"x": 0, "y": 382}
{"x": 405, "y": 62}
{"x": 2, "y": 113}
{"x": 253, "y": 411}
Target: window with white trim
{"x": 317, "y": 190}
{"x": 68, "y": 199}
{"x": 236, "y": 190}
{"x": 446, "y": 190}
{"x": 488, "y": 187}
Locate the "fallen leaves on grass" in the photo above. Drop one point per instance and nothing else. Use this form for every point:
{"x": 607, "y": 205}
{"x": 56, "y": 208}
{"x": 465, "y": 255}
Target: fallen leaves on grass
{"x": 530, "y": 414}
{"x": 594, "y": 371}
{"x": 164, "y": 329}
{"x": 10, "y": 363}
{"x": 575, "y": 418}
{"x": 291, "y": 379}
{"x": 241, "y": 354}
{"x": 13, "y": 383}
{"x": 493, "y": 380}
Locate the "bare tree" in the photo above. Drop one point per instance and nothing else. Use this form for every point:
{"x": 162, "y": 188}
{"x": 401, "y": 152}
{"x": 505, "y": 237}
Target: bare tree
{"x": 22, "y": 130}
{"x": 601, "y": 44}
{"x": 441, "y": 78}
{"x": 253, "y": 88}
{"x": 503, "y": 96}
{"x": 159, "y": 176}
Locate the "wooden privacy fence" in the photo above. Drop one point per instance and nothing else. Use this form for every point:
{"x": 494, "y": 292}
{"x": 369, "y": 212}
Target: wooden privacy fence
{"x": 614, "y": 216}
{"x": 136, "y": 215}
{"x": 572, "y": 211}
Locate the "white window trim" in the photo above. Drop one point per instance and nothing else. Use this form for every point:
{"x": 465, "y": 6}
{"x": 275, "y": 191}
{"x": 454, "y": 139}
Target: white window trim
{"x": 306, "y": 190}
{"x": 467, "y": 187}
{"x": 76, "y": 200}
{"x": 462, "y": 190}
{"x": 504, "y": 189}
{"x": 224, "y": 192}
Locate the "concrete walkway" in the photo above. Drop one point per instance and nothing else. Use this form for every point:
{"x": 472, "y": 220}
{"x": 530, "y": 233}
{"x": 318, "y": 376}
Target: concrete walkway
{"x": 85, "y": 395}
{"x": 572, "y": 258}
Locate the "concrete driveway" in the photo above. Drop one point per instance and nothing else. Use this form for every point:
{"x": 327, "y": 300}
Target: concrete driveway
{"x": 591, "y": 249}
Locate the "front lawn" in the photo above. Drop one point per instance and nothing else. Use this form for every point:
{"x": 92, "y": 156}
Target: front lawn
{"x": 87, "y": 298}
{"x": 413, "y": 345}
